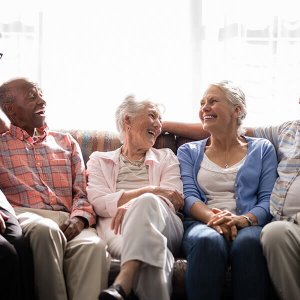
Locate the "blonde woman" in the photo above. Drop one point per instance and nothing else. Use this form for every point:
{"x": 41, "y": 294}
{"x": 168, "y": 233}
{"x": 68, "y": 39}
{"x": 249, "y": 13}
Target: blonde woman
{"x": 227, "y": 180}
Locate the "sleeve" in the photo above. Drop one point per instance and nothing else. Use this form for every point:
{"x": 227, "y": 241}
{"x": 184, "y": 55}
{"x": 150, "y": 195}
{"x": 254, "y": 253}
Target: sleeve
{"x": 170, "y": 174}
{"x": 191, "y": 190}
{"x": 270, "y": 133}
{"x": 100, "y": 190}
{"x": 80, "y": 207}
{"x": 266, "y": 182}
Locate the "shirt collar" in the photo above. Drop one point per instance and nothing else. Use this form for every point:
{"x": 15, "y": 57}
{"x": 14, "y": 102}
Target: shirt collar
{"x": 151, "y": 156}
{"x": 22, "y": 135}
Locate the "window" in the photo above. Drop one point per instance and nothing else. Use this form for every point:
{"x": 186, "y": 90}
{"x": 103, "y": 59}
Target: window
{"x": 89, "y": 55}
{"x": 255, "y": 43}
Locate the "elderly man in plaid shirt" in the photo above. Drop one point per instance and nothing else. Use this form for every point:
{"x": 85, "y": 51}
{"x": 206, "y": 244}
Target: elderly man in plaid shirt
{"x": 42, "y": 174}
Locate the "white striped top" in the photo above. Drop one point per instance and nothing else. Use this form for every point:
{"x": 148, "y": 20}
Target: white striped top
{"x": 286, "y": 139}
{"x": 131, "y": 175}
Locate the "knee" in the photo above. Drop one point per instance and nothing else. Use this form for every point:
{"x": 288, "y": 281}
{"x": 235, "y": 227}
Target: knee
{"x": 96, "y": 249}
{"x": 147, "y": 199}
{"x": 99, "y": 246}
{"x": 146, "y": 204}
{"x": 246, "y": 243}
{"x": 100, "y": 251}
{"x": 276, "y": 234}
{"x": 89, "y": 245}
{"x": 7, "y": 250}
{"x": 21, "y": 244}
{"x": 8, "y": 255}
{"x": 211, "y": 245}
{"x": 44, "y": 232}
{"x": 88, "y": 239}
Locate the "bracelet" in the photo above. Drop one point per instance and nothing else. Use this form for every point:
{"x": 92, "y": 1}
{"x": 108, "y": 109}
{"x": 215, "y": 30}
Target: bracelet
{"x": 250, "y": 222}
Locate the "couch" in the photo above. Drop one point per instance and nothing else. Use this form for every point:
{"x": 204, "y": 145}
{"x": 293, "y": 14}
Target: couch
{"x": 93, "y": 140}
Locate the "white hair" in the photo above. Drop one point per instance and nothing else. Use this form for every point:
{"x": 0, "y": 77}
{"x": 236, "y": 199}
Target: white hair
{"x": 131, "y": 107}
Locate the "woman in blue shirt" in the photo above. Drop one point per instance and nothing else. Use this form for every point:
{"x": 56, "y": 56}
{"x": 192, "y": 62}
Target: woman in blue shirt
{"x": 227, "y": 180}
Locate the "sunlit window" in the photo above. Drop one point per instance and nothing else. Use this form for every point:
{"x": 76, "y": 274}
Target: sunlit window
{"x": 257, "y": 44}
{"x": 89, "y": 55}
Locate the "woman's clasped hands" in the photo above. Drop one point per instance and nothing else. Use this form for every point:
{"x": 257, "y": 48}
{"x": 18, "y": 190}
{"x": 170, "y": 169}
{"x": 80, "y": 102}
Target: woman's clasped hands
{"x": 226, "y": 223}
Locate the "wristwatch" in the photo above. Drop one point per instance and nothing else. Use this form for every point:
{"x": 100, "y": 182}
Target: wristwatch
{"x": 250, "y": 222}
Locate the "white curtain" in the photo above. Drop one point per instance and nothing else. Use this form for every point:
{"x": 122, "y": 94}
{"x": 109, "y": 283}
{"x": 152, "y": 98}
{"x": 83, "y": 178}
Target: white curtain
{"x": 256, "y": 44}
{"x": 94, "y": 53}
{"x": 88, "y": 55}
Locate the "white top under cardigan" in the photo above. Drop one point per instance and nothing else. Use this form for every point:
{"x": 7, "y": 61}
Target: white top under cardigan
{"x": 218, "y": 184}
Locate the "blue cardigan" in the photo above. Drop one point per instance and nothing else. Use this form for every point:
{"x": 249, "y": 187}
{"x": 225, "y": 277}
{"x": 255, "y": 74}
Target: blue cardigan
{"x": 254, "y": 181}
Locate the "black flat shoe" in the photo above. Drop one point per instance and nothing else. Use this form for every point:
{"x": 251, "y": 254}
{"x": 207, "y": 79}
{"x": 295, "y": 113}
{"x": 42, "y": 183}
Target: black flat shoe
{"x": 113, "y": 292}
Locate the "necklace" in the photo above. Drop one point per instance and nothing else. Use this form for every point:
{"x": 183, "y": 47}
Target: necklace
{"x": 220, "y": 157}
{"x": 226, "y": 166}
{"x": 136, "y": 163}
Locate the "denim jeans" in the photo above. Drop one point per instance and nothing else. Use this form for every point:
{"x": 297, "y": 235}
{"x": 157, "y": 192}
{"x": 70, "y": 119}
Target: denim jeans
{"x": 209, "y": 255}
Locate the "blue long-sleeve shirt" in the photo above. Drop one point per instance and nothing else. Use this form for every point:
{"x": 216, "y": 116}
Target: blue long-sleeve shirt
{"x": 254, "y": 181}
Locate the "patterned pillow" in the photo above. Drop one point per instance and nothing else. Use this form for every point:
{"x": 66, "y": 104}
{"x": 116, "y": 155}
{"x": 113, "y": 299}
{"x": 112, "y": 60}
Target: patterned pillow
{"x": 95, "y": 140}
{"x": 101, "y": 140}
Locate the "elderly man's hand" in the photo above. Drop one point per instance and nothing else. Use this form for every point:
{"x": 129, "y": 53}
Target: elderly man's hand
{"x": 72, "y": 227}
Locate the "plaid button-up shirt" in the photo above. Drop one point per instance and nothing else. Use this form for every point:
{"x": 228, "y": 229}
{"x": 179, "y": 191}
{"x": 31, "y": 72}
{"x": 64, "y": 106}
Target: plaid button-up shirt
{"x": 286, "y": 139}
{"x": 45, "y": 172}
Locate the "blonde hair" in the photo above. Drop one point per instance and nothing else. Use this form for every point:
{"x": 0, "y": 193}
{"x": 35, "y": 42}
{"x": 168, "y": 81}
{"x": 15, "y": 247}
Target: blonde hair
{"x": 236, "y": 96}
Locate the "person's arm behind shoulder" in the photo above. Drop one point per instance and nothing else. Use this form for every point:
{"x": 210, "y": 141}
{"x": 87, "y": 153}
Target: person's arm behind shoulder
{"x": 193, "y": 131}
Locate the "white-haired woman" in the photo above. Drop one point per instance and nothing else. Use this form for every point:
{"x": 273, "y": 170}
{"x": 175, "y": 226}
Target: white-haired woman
{"x": 227, "y": 182}
{"x": 136, "y": 191}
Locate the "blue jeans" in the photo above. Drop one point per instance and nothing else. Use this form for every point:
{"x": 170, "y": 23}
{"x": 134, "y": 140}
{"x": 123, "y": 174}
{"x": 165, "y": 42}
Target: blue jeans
{"x": 209, "y": 255}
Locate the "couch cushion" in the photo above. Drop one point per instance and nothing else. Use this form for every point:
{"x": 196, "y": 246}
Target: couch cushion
{"x": 182, "y": 140}
{"x": 95, "y": 140}
{"x": 101, "y": 140}
{"x": 166, "y": 140}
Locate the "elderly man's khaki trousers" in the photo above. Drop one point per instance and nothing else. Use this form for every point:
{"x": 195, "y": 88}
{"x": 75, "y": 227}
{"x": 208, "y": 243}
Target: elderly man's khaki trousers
{"x": 73, "y": 270}
{"x": 281, "y": 246}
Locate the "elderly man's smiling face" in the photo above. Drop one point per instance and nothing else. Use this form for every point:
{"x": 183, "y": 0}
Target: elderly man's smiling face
{"x": 27, "y": 110}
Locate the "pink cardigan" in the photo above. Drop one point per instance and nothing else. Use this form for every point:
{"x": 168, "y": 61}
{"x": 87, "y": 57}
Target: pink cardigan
{"x": 103, "y": 168}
